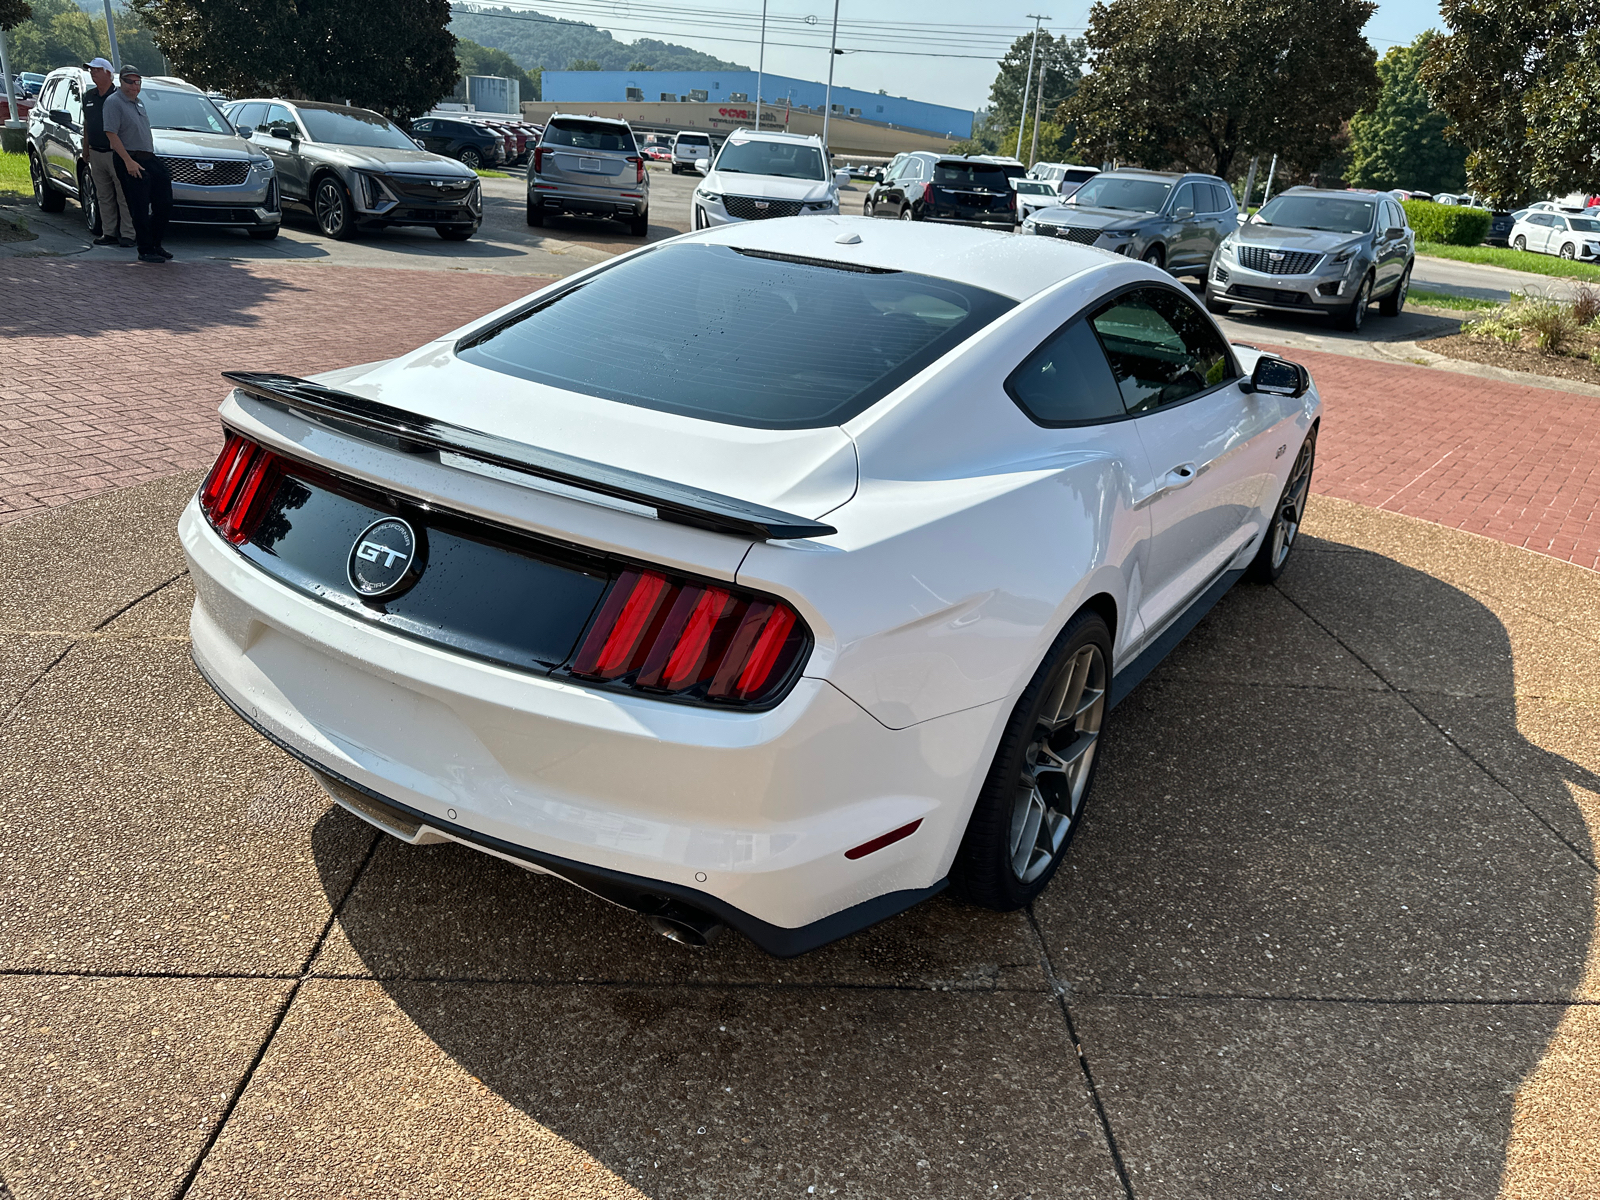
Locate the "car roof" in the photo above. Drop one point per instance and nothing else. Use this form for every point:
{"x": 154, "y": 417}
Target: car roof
{"x": 1330, "y": 193}
{"x": 586, "y": 117}
{"x": 1141, "y": 173}
{"x": 1017, "y": 267}
{"x": 799, "y": 139}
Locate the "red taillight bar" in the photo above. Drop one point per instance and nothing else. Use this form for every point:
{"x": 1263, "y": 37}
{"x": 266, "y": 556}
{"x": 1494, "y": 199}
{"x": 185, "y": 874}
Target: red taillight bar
{"x": 243, "y": 477}
{"x": 638, "y": 163}
{"x": 695, "y": 639}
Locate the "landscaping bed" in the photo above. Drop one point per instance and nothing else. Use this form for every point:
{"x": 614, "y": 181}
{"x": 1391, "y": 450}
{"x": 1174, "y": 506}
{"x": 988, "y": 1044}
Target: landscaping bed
{"x": 1534, "y": 334}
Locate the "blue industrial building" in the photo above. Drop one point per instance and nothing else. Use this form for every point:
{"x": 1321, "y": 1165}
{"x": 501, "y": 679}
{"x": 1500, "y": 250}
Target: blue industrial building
{"x": 736, "y": 87}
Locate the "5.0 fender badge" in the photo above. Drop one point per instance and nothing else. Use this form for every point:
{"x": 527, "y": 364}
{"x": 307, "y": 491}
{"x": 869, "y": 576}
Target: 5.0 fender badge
{"x": 387, "y": 558}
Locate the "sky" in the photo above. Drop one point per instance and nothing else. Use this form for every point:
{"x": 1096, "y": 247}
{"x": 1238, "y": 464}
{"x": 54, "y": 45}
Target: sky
{"x": 891, "y": 44}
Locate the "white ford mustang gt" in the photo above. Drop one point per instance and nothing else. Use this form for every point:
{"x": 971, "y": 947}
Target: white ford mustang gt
{"x": 775, "y": 576}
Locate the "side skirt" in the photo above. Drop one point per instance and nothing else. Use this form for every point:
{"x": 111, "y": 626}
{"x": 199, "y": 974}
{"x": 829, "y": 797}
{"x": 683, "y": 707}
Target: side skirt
{"x": 1132, "y": 675}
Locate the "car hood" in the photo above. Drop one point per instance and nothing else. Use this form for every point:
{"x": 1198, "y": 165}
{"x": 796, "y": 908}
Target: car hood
{"x": 1315, "y": 240}
{"x": 767, "y": 187}
{"x": 1095, "y": 218}
{"x": 808, "y": 472}
{"x": 180, "y": 143}
{"x": 397, "y": 162}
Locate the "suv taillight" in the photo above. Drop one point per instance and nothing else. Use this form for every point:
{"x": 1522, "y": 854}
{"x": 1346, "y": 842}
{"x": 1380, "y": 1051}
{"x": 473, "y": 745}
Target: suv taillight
{"x": 240, "y": 481}
{"x": 692, "y": 639}
{"x": 538, "y": 159}
{"x": 639, "y": 165}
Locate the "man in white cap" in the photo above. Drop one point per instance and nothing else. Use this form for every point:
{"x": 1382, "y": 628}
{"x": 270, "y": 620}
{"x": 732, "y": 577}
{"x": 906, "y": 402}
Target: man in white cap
{"x": 116, "y": 223}
{"x": 143, "y": 176}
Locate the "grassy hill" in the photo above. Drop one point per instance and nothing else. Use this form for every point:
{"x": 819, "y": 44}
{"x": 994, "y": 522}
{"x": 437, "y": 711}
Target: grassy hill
{"x": 536, "y": 40}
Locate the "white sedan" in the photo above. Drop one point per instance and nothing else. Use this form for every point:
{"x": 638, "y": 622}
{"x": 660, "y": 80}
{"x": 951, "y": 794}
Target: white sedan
{"x": 1558, "y": 233}
{"x": 776, "y": 576}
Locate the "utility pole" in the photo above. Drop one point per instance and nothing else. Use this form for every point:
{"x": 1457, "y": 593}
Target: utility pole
{"x": 1250, "y": 183}
{"x": 1271, "y": 171}
{"x": 1027, "y": 87}
{"x": 761, "y": 62}
{"x": 1038, "y": 110}
{"x": 111, "y": 37}
{"x": 827, "y": 100}
{"x": 11, "y": 99}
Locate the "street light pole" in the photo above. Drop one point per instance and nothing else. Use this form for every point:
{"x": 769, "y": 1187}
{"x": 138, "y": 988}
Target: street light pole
{"x": 111, "y": 37}
{"x": 1022, "y": 121}
{"x": 761, "y": 62}
{"x": 827, "y": 99}
{"x": 11, "y": 90}
{"x": 1038, "y": 110}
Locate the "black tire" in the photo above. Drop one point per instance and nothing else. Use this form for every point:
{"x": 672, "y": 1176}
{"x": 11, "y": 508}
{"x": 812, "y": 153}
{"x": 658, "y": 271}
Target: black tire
{"x": 640, "y": 226}
{"x": 1155, "y": 256}
{"x": 1221, "y": 307}
{"x": 535, "y": 212}
{"x": 44, "y": 193}
{"x": 267, "y": 234}
{"x": 457, "y": 233}
{"x": 334, "y": 212}
{"x": 1520, "y": 244}
{"x": 1284, "y": 525}
{"x": 1394, "y": 303}
{"x": 88, "y": 200}
{"x": 907, "y": 215}
{"x": 1015, "y": 796}
{"x": 1351, "y": 317}
{"x": 470, "y": 158}
{"x": 868, "y": 208}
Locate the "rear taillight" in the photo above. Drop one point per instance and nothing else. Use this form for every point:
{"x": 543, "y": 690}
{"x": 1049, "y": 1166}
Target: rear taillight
{"x": 538, "y": 159}
{"x": 236, "y": 490}
{"x": 638, "y": 164}
{"x": 692, "y": 639}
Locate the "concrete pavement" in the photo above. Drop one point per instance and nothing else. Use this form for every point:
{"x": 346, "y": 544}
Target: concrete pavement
{"x": 1329, "y": 929}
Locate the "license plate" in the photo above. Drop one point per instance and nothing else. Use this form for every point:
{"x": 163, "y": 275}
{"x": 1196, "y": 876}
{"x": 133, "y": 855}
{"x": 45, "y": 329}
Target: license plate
{"x": 589, "y": 164}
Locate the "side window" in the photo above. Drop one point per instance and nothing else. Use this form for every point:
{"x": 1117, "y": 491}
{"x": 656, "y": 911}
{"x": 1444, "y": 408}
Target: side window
{"x": 48, "y": 99}
{"x": 913, "y": 169}
{"x": 1224, "y": 197}
{"x": 1185, "y": 199}
{"x": 1162, "y": 349}
{"x": 422, "y": 127}
{"x": 279, "y": 117}
{"x": 248, "y": 116}
{"x": 74, "y": 105}
{"x": 1067, "y": 380}
{"x": 1400, "y": 221}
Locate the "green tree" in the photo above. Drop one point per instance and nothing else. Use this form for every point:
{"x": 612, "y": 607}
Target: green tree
{"x": 473, "y": 59}
{"x": 1197, "y": 83}
{"x": 639, "y": 66}
{"x": 14, "y": 13}
{"x": 1060, "y": 59}
{"x": 58, "y": 33}
{"x": 1399, "y": 141}
{"x": 1502, "y": 75}
{"x": 584, "y": 64}
{"x": 395, "y": 56}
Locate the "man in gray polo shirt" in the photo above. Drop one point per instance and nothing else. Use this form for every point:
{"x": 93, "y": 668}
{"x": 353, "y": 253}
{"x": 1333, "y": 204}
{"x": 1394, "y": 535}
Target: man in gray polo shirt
{"x": 143, "y": 176}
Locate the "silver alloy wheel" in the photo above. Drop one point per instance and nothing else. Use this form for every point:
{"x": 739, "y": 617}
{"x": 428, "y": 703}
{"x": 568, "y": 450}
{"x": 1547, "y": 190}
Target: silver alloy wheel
{"x": 1404, "y": 290}
{"x": 1567, "y": 252}
{"x": 1521, "y": 243}
{"x": 89, "y": 201}
{"x": 330, "y": 207}
{"x": 36, "y": 176}
{"x": 470, "y": 158}
{"x": 1291, "y": 510}
{"x": 1056, "y": 766}
{"x": 1358, "y": 312}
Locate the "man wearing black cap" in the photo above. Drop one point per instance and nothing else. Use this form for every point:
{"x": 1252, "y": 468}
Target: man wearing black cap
{"x": 143, "y": 176}
{"x": 116, "y": 222}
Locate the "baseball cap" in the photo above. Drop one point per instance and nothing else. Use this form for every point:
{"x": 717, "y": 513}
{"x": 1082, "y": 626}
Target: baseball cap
{"x": 130, "y": 69}
{"x": 98, "y": 63}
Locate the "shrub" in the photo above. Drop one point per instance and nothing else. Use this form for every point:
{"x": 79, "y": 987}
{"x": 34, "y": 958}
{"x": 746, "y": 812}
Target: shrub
{"x": 1585, "y": 304}
{"x": 1551, "y": 325}
{"x": 1451, "y": 224}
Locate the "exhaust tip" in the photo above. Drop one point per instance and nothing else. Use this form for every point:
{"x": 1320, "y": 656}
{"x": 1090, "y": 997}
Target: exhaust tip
{"x": 686, "y": 926}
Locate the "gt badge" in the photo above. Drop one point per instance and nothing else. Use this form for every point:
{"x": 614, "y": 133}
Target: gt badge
{"x": 386, "y": 559}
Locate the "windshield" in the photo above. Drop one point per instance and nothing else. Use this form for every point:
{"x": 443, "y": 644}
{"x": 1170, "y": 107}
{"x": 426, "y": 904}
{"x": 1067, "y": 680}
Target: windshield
{"x": 1328, "y": 214}
{"x": 1127, "y": 195}
{"x": 741, "y": 337}
{"x": 784, "y": 159}
{"x": 589, "y": 135}
{"x": 1033, "y": 187}
{"x": 1584, "y": 224}
{"x": 977, "y": 177}
{"x": 187, "y": 111}
{"x": 353, "y": 127}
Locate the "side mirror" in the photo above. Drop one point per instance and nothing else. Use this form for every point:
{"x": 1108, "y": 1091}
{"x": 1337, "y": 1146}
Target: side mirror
{"x": 278, "y": 131}
{"x": 60, "y": 116}
{"x": 703, "y": 165}
{"x": 1279, "y": 377}
{"x": 1182, "y": 214}
{"x": 1395, "y": 232}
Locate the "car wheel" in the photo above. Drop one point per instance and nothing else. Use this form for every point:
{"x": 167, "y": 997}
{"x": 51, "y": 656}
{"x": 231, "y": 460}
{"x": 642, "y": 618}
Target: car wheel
{"x": 906, "y": 214}
{"x": 1520, "y": 243}
{"x": 640, "y": 226}
{"x": 535, "y": 212}
{"x": 457, "y": 233}
{"x": 44, "y": 195}
{"x": 471, "y": 158}
{"x": 1155, "y": 256}
{"x": 1221, "y": 307}
{"x": 1351, "y": 318}
{"x": 1270, "y": 560}
{"x": 89, "y": 201}
{"x": 334, "y": 212}
{"x": 1394, "y": 303}
{"x": 1032, "y": 800}
{"x": 867, "y": 208}
{"x": 1567, "y": 252}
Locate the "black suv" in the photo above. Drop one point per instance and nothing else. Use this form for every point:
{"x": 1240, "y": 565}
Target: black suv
{"x": 948, "y": 188}
{"x": 472, "y": 145}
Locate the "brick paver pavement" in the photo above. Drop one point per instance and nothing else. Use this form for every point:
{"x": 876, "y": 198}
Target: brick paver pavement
{"x": 109, "y": 377}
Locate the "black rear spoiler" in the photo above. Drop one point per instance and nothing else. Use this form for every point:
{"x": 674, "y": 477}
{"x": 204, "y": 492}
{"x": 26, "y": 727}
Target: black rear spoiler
{"x": 406, "y": 431}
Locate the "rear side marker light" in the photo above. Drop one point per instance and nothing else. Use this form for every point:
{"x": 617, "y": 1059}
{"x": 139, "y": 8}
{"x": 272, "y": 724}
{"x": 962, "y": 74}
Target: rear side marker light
{"x": 882, "y": 840}
{"x": 692, "y": 639}
{"x": 235, "y": 491}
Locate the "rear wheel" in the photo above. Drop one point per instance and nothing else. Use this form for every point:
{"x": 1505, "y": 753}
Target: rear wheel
{"x": 866, "y": 209}
{"x": 906, "y": 214}
{"x": 535, "y": 212}
{"x": 1520, "y": 243}
{"x": 1032, "y": 800}
{"x": 471, "y": 158}
{"x": 640, "y": 226}
{"x": 1286, "y": 518}
{"x": 89, "y": 201}
{"x": 44, "y": 195}
{"x": 1394, "y": 303}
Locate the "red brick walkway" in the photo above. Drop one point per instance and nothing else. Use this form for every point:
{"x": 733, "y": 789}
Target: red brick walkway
{"x": 109, "y": 377}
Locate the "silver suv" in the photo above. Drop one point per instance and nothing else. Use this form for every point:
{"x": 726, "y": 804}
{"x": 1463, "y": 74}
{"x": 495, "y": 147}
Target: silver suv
{"x": 1172, "y": 220}
{"x": 590, "y": 166}
{"x": 1312, "y": 250}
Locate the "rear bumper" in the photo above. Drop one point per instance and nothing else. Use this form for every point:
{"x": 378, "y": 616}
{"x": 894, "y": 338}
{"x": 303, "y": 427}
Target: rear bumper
{"x": 590, "y": 201}
{"x": 743, "y": 815}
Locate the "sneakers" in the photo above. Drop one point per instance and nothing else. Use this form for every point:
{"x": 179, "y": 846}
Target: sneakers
{"x": 152, "y": 258}
{"x": 164, "y": 252}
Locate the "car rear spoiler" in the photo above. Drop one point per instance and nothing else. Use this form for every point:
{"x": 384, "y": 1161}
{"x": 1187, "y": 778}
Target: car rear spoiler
{"x": 407, "y": 431}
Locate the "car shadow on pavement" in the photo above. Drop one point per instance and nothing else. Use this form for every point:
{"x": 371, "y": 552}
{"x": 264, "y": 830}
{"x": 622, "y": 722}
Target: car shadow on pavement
{"x": 1328, "y": 909}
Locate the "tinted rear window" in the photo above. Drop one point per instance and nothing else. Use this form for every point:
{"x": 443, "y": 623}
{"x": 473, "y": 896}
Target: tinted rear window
{"x": 987, "y": 176}
{"x": 738, "y": 337}
{"x": 588, "y": 135}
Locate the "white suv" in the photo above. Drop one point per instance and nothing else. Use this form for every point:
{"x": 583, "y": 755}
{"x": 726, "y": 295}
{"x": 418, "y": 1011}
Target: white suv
{"x": 760, "y": 175}
{"x": 687, "y": 149}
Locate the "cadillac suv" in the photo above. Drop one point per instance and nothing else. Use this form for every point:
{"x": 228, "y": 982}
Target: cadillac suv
{"x": 949, "y": 189}
{"x": 1171, "y": 220}
{"x": 590, "y": 166}
{"x": 762, "y": 175}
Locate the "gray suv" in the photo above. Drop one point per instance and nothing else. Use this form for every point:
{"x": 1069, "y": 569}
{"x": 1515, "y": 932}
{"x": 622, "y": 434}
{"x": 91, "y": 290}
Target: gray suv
{"x": 1173, "y": 220}
{"x": 355, "y": 168}
{"x": 592, "y": 167}
{"x": 1312, "y": 250}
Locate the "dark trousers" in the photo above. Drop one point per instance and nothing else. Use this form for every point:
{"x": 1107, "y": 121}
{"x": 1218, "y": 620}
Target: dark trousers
{"x": 149, "y": 199}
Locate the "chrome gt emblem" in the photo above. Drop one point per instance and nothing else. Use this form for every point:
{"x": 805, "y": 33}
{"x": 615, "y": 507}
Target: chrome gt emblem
{"x": 386, "y": 559}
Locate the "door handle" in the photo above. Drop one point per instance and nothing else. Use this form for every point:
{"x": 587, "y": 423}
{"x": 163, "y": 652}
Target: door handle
{"x": 1180, "y": 476}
